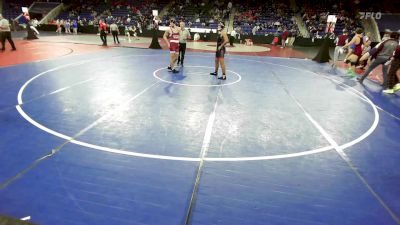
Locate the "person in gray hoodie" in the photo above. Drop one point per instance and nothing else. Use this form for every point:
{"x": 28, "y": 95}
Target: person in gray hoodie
{"x": 383, "y": 55}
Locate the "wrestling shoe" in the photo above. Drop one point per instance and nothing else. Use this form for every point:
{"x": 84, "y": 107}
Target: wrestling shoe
{"x": 388, "y": 91}
{"x": 351, "y": 73}
{"x": 222, "y": 78}
{"x": 396, "y": 87}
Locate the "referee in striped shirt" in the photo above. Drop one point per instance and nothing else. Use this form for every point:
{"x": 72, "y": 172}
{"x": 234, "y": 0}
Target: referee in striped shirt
{"x": 184, "y": 35}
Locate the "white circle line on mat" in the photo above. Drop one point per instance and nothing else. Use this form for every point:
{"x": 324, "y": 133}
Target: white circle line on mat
{"x": 193, "y": 159}
{"x": 198, "y": 85}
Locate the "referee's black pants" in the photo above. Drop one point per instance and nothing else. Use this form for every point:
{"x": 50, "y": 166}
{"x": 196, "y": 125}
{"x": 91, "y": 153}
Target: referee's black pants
{"x": 115, "y": 36}
{"x": 103, "y": 36}
{"x": 182, "y": 51}
{"x": 6, "y": 35}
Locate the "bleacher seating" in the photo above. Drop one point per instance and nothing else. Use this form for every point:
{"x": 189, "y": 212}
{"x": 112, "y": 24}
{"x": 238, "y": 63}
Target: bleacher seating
{"x": 197, "y": 14}
{"x": 123, "y": 12}
{"x": 315, "y": 16}
{"x": 389, "y": 21}
{"x": 13, "y": 10}
{"x": 262, "y": 18}
{"x": 43, "y": 7}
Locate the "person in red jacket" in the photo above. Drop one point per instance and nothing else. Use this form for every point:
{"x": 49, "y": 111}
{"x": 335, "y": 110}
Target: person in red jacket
{"x": 103, "y": 32}
{"x": 285, "y": 35}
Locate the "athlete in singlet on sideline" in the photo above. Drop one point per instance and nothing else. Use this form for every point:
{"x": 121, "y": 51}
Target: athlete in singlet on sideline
{"x": 173, "y": 44}
{"x": 356, "y": 55}
{"x": 220, "y": 54}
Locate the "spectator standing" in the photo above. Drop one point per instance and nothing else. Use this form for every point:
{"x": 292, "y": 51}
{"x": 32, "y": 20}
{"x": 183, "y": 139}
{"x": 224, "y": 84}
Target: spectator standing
{"x": 139, "y": 27}
{"x": 127, "y": 33}
{"x": 135, "y": 31}
{"x": 59, "y": 29}
{"x": 67, "y": 27}
{"x": 292, "y": 37}
{"x": 239, "y": 34}
{"x": 75, "y": 27}
{"x": 232, "y": 37}
{"x": 285, "y": 35}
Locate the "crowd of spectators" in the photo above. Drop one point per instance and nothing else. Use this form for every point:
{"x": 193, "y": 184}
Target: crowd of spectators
{"x": 124, "y": 13}
{"x": 265, "y": 18}
{"x": 198, "y": 14}
{"x": 315, "y": 14}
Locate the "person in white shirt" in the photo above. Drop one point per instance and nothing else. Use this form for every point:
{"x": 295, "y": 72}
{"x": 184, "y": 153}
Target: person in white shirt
{"x": 232, "y": 37}
{"x": 196, "y": 37}
{"x": 5, "y": 33}
{"x": 115, "y": 32}
{"x": 139, "y": 27}
{"x": 183, "y": 36}
{"x": 255, "y": 29}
